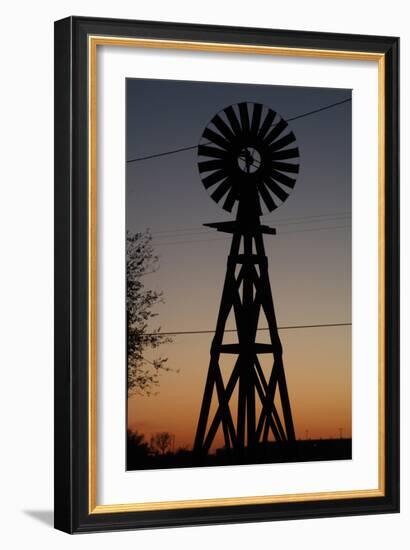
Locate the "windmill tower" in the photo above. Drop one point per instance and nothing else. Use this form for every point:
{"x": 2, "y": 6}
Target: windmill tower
{"x": 247, "y": 158}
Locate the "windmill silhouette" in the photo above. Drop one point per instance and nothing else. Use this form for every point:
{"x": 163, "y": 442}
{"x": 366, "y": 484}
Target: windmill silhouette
{"x": 247, "y": 160}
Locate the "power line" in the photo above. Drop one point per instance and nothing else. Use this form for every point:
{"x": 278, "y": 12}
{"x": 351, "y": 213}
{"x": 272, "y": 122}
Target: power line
{"x": 320, "y": 109}
{"x": 227, "y": 238}
{"x": 289, "y": 327}
{"x": 314, "y": 229}
{"x": 193, "y": 241}
{"x": 181, "y": 149}
{"x": 188, "y": 233}
{"x": 165, "y": 153}
{"x": 280, "y": 221}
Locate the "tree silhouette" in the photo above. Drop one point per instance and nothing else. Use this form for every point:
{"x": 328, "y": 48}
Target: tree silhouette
{"x": 143, "y": 374}
{"x": 138, "y": 450}
{"x": 161, "y": 442}
{"x": 136, "y": 440}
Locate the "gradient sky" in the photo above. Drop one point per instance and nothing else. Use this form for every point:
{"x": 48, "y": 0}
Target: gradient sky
{"x": 309, "y": 258}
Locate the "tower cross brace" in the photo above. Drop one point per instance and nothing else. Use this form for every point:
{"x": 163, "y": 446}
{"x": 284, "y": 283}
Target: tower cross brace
{"x": 246, "y": 293}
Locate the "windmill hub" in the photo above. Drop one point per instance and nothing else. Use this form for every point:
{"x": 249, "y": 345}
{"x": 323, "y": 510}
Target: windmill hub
{"x": 249, "y": 160}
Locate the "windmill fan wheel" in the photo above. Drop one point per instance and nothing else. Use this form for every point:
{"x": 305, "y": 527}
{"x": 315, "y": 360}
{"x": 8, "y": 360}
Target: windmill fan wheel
{"x": 248, "y": 155}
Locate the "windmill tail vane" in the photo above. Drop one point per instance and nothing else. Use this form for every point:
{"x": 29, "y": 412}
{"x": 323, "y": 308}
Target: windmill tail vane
{"x": 242, "y": 157}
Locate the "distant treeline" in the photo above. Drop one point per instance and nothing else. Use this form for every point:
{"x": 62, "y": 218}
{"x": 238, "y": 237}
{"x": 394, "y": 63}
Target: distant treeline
{"x": 159, "y": 453}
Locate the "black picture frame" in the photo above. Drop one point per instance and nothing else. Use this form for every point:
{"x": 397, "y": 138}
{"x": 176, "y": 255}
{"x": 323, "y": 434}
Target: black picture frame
{"x": 72, "y": 464}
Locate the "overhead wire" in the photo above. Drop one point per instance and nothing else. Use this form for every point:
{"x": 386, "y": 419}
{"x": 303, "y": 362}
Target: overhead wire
{"x": 286, "y": 327}
{"x": 190, "y": 147}
{"x": 280, "y": 222}
{"x": 227, "y": 238}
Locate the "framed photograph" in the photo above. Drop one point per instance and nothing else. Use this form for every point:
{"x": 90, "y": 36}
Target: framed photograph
{"x": 226, "y": 274}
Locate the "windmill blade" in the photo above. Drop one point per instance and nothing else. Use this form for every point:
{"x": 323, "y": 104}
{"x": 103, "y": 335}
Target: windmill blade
{"x": 285, "y": 154}
{"x": 283, "y": 179}
{"x": 266, "y": 196}
{"x": 209, "y": 165}
{"x": 276, "y": 130}
{"x": 256, "y": 118}
{"x": 222, "y": 127}
{"x": 243, "y": 111}
{"x": 210, "y": 135}
{"x": 233, "y": 120}
{"x": 213, "y": 152}
{"x": 276, "y": 189}
{"x": 221, "y": 190}
{"x": 230, "y": 200}
{"x": 213, "y": 178}
{"x": 267, "y": 123}
{"x": 285, "y": 167}
{"x": 283, "y": 142}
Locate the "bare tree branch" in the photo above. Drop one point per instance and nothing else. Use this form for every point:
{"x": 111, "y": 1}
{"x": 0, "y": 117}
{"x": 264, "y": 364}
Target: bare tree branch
{"x": 143, "y": 375}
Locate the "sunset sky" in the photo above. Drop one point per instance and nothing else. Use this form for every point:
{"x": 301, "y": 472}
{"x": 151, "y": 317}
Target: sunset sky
{"x": 309, "y": 258}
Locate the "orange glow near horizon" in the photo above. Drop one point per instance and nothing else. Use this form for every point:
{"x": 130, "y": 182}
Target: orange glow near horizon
{"x": 317, "y": 366}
